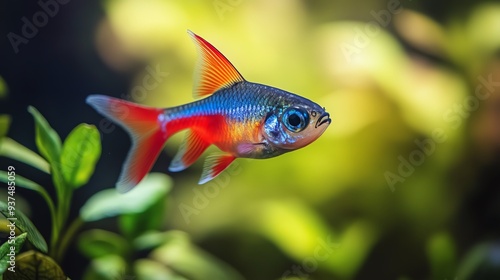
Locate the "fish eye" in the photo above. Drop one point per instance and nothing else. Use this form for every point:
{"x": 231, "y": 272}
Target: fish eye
{"x": 295, "y": 119}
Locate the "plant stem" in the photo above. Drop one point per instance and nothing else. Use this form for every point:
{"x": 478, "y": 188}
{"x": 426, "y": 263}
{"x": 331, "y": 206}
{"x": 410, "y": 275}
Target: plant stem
{"x": 62, "y": 239}
{"x": 53, "y": 216}
{"x": 68, "y": 237}
{"x": 64, "y": 194}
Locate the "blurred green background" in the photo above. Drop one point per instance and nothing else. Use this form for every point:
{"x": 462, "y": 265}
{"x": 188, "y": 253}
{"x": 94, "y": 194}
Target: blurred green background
{"x": 404, "y": 184}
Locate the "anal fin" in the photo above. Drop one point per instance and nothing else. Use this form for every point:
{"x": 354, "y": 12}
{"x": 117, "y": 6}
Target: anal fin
{"x": 214, "y": 165}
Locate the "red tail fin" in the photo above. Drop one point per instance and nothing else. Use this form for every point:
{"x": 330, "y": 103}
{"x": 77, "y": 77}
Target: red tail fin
{"x": 144, "y": 126}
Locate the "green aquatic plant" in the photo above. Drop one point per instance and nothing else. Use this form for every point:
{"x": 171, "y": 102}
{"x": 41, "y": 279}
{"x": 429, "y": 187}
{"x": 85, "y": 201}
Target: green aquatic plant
{"x": 139, "y": 213}
{"x": 70, "y": 163}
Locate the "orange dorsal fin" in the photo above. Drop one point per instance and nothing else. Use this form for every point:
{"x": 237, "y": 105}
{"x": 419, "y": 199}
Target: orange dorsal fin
{"x": 213, "y": 71}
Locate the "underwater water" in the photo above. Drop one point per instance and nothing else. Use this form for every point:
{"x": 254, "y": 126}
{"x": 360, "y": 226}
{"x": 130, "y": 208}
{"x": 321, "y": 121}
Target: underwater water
{"x": 403, "y": 184}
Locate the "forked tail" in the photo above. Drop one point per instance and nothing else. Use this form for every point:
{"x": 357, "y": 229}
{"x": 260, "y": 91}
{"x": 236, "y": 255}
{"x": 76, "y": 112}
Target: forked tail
{"x": 145, "y": 129}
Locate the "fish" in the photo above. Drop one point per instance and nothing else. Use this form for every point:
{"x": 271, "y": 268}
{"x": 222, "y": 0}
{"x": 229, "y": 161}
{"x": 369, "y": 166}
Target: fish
{"x": 243, "y": 119}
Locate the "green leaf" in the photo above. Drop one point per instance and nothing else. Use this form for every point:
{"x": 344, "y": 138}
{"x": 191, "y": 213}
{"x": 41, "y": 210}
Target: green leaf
{"x": 97, "y": 243}
{"x": 49, "y": 145}
{"x": 480, "y": 262}
{"x": 110, "y": 267}
{"x": 6, "y": 252}
{"x": 3, "y": 88}
{"x": 441, "y": 255}
{"x": 4, "y": 125}
{"x": 135, "y": 224}
{"x": 110, "y": 203}
{"x": 26, "y": 183}
{"x": 151, "y": 239}
{"x": 30, "y": 185}
{"x": 182, "y": 256}
{"x": 80, "y": 152}
{"x": 151, "y": 270}
{"x": 34, "y": 265}
{"x": 25, "y": 225}
{"x": 47, "y": 140}
{"x": 14, "y": 150}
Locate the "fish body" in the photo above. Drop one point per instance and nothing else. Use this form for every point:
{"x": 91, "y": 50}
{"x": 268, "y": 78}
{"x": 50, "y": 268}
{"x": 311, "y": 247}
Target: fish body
{"x": 243, "y": 119}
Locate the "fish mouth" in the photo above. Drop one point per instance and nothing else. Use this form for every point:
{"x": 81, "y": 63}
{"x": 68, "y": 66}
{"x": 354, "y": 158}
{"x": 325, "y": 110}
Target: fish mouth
{"x": 324, "y": 118}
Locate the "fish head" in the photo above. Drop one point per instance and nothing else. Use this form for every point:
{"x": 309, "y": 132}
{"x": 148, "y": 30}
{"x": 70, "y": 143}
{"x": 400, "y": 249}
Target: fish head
{"x": 294, "y": 125}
